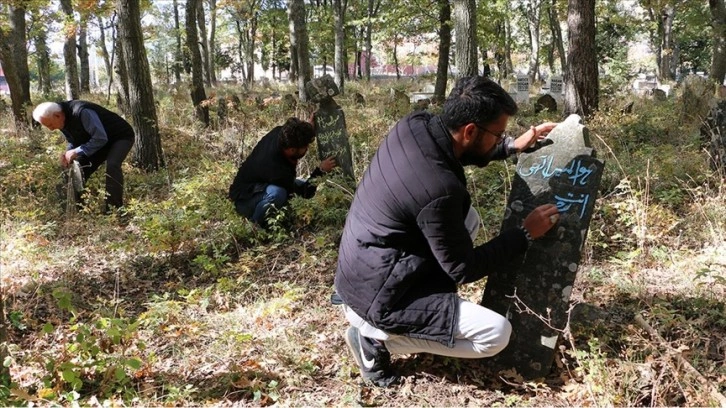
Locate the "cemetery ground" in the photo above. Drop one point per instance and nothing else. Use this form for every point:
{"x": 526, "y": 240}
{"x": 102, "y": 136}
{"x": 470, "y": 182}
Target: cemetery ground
{"x": 178, "y": 301}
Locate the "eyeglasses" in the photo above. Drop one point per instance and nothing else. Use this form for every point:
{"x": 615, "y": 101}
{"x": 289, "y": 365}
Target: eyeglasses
{"x": 501, "y": 135}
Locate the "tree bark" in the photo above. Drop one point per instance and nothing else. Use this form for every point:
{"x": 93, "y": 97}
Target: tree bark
{"x": 197, "y": 86}
{"x": 466, "y": 43}
{"x": 298, "y": 29}
{"x": 373, "y": 7}
{"x": 122, "y": 78}
{"x": 557, "y": 35}
{"x": 178, "y": 64}
{"x": 442, "y": 67}
{"x": 718, "y": 22}
{"x": 147, "y": 152}
{"x": 667, "y": 67}
{"x": 203, "y": 43}
{"x": 581, "y": 77}
{"x": 85, "y": 78}
{"x": 104, "y": 50}
{"x": 212, "y": 41}
{"x": 339, "y": 7}
{"x": 533, "y": 11}
{"x": 43, "y": 53}
{"x": 69, "y": 52}
{"x": 12, "y": 48}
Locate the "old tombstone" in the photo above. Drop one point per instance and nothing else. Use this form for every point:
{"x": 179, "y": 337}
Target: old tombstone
{"x": 400, "y": 103}
{"x": 545, "y": 103}
{"x": 522, "y": 88}
{"x": 358, "y": 99}
{"x": 697, "y": 94}
{"x": 557, "y": 89}
{"x": 329, "y": 120}
{"x": 627, "y": 108}
{"x": 658, "y": 94}
{"x": 222, "y": 110}
{"x": 289, "y": 102}
{"x": 713, "y": 134}
{"x": 537, "y": 287}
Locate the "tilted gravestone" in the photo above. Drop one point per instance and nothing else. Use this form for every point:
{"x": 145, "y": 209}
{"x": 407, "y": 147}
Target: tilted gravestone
{"x": 539, "y": 284}
{"x": 713, "y": 134}
{"x": 329, "y": 122}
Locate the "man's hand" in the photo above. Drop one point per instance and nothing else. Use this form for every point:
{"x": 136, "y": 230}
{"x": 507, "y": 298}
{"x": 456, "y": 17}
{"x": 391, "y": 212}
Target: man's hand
{"x": 535, "y": 133}
{"x": 328, "y": 164}
{"x": 67, "y": 157}
{"x": 541, "y": 220}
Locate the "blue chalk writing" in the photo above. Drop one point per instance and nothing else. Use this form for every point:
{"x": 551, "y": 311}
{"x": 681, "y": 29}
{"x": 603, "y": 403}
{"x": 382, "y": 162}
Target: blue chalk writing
{"x": 565, "y": 203}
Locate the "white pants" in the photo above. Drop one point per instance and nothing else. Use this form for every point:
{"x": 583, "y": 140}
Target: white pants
{"x": 479, "y": 331}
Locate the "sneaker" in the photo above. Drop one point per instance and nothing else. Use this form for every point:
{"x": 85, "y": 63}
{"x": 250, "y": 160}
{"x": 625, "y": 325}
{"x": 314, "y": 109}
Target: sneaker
{"x": 372, "y": 357}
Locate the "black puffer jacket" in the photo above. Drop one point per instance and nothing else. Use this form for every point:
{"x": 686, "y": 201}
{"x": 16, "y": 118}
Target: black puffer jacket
{"x": 405, "y": 247}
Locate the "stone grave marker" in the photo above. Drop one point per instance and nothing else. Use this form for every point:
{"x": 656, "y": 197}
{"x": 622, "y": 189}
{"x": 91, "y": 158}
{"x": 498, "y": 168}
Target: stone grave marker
{"x": 557, "y": 89}
{"x": 565, "y": 173}
{"x": 329, "y": 121}
{"x": 522, "y": 88}
{"x": 545, "y": 102}
{"x": 713, "y": 134}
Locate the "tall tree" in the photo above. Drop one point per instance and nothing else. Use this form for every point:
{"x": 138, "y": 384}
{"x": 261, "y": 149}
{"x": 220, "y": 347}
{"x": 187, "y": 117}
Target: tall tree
{"x": 101, "y": 44}
{"x": 581, "y": 76}
{"x": 299, "y": 31}
{"x": 40, "y": 39}
{"x": 212, "y": 41}
{"x": 197, "y": 86}
{"x": 373, "y": 7}
{"x": 14, "y": 60}
{"x": 718, "y": 24}
{"x": 73, "y": 86}
{"x": 147, "y": 152}
{"x": 177, "y": 67}
{"x": 204, "y": 42}
{"x": 557, "y": 42}
{"x": 85, "y": 77}
{"x": 339, "y": 7}
{"x": 466, "y": 39}
{"x": 533, "y": 12}
{"x": 442, "y": 67}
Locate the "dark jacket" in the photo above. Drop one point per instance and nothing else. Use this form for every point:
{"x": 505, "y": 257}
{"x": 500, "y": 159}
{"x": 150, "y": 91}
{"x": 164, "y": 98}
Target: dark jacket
{"x": 114, "y": 126}
{"x": 405, "y": 247}
{"x": 267, "y": 165}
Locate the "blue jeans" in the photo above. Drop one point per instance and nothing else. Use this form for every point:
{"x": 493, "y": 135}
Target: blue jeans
{"x": 255, "y": 208}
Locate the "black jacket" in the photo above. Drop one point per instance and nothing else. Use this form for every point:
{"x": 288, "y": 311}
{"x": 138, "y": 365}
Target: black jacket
{"x": 405, "y": 247}
{"x": 115, "y": 126}
{"x": 267, "y": 165}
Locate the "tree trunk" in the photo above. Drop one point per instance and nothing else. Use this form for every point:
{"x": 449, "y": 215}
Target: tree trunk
{"x": 395, "y": 58}
{"x": 147, "y": 153}
{"x": 212, "y": 40}
{"x": 442, "y": 67}
{"x": 581, "y": 79}
{"x": 500, "y": 32}
{"x": 69, "y": 52}
{"x": 197, "y": 86}
{"x": 465, "y": 31}
{"x": 339, "y": 7}
{"x": 83, "y": 56}
{"x": 667, "y": 68}
{"x": 373, "y": 7}
{"x": 12, "y": 48}
{"x": 718, "y": 22}
{"x": 43, "y": 53}
{"x": 294, "y": 63}
{"x": 4, "y": 371}
{"x": 251, "y": 37}
{"x": 298, "y": 29}
{"x": 122, "y": 78}
{"x": 557, "y": 35}
{"x": 104, "y": 50}
{"x": 178, "y": 64}
{"x": 203, "y": 43}
{"x": 533, "y": 10}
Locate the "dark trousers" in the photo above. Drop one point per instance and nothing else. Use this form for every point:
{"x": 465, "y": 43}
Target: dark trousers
{"x": 113, "y": 153}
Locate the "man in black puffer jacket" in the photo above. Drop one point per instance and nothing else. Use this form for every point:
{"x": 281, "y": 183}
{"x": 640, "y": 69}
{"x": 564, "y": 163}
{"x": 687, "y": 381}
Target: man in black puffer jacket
{"x": 94, "y": 135}
{"x": 267, "y": 178}
{"x": 408, "y": 238}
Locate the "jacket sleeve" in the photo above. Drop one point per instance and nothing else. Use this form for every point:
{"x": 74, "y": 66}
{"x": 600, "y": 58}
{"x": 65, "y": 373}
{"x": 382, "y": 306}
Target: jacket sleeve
{"x": 442, "y": 224}
{"x": 92, "y": 124}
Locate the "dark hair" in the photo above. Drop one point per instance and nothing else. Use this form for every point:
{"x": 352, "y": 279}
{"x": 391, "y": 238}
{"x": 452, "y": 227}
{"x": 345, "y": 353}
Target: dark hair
{"x": 296, "y": 133}
{"x": 476, "y": 99}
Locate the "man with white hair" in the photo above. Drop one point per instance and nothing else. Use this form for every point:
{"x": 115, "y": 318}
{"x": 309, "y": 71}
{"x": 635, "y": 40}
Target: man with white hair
{"x": 94, "y": 135}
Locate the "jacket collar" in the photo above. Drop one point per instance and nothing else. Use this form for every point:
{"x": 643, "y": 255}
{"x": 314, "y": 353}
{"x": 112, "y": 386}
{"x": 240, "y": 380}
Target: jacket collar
{"x": 442, "y": 138}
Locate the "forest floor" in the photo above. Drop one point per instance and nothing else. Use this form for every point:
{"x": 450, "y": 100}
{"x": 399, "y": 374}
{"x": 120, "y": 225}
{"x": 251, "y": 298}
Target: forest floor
{"x": 177, "y": 301}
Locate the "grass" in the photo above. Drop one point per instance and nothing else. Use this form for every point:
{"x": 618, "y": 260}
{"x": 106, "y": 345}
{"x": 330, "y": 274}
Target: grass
{"x": 180, "y": 302}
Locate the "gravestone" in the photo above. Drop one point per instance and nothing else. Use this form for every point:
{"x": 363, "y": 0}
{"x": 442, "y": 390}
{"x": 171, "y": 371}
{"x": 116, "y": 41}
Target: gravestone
{"x": 522, "y": 88}
{"x": 329, "y": 121}
{"x": 713, "y": 135}
{"x": 358, "y": 99}
{"x": 565, "y": 173}
{"x": 222, "y": 110}
{"x": 557, "y": 88}
{"x": 545, "y": 103}
{"x": 400, "y": 104}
